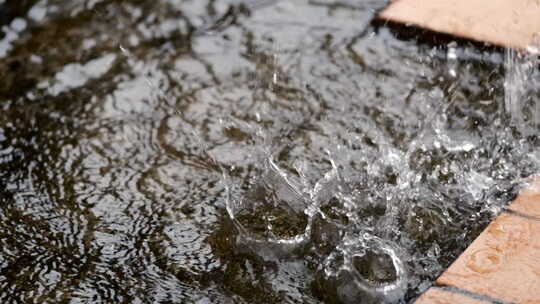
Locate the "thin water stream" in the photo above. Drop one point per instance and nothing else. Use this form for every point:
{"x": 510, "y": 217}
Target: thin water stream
{"x": 205, "y": 151}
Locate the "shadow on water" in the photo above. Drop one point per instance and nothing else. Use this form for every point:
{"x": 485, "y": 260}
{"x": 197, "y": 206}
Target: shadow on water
{"x": 239, "y": 152}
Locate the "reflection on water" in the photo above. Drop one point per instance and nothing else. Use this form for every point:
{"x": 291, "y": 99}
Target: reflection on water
{"x": 245, "y": 152}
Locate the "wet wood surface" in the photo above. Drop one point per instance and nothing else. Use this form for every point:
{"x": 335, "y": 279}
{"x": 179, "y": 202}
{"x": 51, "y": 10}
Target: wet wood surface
{"x": 507, "y": 23}
{"x": 503, "y": 263}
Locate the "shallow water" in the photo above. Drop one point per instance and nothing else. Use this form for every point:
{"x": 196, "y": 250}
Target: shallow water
{"x": 244, "y": 152}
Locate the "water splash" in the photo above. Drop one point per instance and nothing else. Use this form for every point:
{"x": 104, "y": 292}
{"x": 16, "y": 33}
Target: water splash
{"x": 278, "y": 217}
{"x": 364, "y": 226}
{"x": 269, "y": 215}
{"x": 366, "y": 267}
{"x": 521, "y": 88}
{"x": 382, "y": 160}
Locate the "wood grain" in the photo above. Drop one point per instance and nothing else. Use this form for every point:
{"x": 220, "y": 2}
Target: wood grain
{"x": 507, "y": 23}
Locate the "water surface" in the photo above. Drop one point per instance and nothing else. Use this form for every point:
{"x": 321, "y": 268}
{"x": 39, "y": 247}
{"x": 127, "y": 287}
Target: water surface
{"x": 128, "y": 127}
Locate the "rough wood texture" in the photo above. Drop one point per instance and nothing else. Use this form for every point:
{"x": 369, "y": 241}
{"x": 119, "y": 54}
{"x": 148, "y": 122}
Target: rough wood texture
{"x": 528, "y": 201}
{"x": 508, "y": 23}
{"x": 502, "y": 263}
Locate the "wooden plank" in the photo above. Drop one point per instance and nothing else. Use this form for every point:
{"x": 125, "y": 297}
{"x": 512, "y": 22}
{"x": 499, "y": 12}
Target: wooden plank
{"x": 504, "y": 261}
{"x": 507, "y": 23}
{"x": 528, "y": 201}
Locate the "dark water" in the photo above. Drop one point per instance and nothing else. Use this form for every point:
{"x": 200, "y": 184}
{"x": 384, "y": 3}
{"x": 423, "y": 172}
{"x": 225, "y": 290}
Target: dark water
{"x": 120, "y": 119}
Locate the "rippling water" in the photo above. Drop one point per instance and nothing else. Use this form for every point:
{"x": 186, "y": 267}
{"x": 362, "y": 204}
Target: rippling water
{"x": 128, "y": 128}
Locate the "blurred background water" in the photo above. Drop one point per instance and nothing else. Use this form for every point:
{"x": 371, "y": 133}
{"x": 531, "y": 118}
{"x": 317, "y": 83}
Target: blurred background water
{"x": 212, "y": 151}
